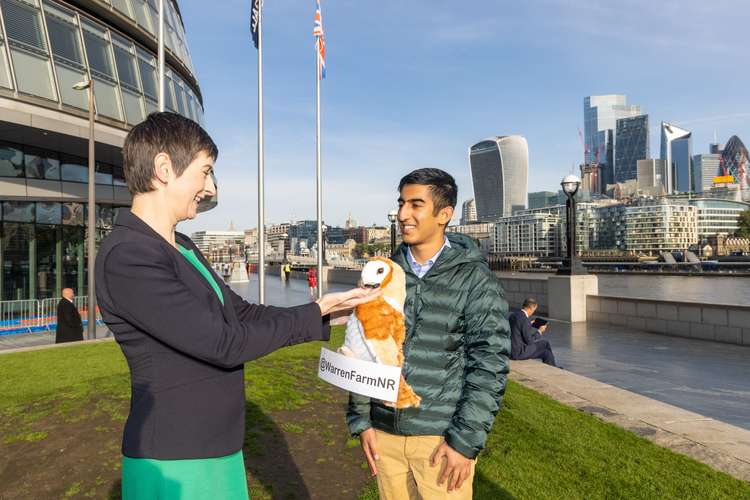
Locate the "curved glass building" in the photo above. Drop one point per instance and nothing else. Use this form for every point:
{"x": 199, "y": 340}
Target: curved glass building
{"x": 735, "y": 161}
{"x": 499, "y": 173}
{"x": 46, "y": 46}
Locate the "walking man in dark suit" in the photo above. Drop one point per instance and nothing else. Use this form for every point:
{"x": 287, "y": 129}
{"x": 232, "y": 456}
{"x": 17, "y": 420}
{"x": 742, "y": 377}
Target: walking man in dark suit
{"x": 526, "y": 341}
{"x": 69, "y": 324}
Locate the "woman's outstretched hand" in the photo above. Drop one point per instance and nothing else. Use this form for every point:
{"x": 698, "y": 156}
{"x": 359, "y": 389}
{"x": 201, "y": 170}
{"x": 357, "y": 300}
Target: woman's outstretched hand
{"x": 346, "y": 301}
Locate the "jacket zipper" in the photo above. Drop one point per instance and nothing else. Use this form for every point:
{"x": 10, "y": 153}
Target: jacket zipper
{"x": 417, "y": 294}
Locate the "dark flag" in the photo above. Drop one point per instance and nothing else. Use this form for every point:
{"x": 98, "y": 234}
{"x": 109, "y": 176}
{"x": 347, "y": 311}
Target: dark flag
{"x": 255, "y": 20}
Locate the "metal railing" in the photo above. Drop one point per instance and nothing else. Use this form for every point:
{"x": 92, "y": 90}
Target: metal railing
{"x": 26, "y": 316}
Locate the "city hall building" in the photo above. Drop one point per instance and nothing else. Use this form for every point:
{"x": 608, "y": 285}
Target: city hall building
{"x": 46, "y": 47}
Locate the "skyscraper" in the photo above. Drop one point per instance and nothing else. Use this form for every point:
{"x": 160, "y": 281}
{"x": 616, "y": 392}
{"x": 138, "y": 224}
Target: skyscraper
{"x": 600, "y": 115}
{"x": 651, "y": 175}
{"x": 734, "y": 160}
{"x": 705, "y": 168}
{"x": 631, "y": 145}
{"x": 677, "y": 152}
{"x": 499, "y": 173}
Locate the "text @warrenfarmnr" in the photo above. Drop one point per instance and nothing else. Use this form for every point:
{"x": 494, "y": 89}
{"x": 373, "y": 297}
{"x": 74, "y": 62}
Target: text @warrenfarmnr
{"x": 383, "y": 382}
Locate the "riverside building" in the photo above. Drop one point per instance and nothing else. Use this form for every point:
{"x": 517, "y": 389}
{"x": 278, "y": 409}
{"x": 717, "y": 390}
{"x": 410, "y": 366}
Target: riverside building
{"x": 45, "y": 48}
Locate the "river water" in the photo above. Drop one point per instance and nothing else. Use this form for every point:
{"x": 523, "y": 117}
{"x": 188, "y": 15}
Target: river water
{"x": 726, "y": 290}
{"x": 732, "y": 290}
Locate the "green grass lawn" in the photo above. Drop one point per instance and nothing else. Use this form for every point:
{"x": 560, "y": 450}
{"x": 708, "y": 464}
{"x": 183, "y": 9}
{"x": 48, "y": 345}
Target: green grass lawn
{"x": 538, "y": 448}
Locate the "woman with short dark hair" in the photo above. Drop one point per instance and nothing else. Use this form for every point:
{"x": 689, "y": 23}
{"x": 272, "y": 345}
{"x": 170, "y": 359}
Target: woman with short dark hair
{"x": 184, "y": 333}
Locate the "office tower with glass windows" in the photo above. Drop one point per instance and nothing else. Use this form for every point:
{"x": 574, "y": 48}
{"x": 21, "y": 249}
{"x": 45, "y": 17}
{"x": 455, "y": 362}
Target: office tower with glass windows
{"x": 46, "y": 47}
{"x": 677, "y": 152}
{"x": 499, "y": 173}
{"x": 631, "y": 145}
{"x": 651, "y": 175}
{"x": 542, "y": 199}
{"x": 705, "y": 168}
{"x": 600, "y": 115}
{"x": 735, "y": 162}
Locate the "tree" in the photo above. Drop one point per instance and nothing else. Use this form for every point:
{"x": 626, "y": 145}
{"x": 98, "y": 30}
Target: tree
{"x": 366, "y": 250}
{"x": 744, "y": 224}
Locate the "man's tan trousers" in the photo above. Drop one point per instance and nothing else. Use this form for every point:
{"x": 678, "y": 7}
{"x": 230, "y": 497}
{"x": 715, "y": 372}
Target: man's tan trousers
{"x": 405, "y": 473}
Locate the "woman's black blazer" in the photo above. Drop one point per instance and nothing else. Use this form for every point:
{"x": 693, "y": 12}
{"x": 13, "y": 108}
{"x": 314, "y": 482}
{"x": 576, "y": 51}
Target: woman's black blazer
{"x": 184, "y": 349}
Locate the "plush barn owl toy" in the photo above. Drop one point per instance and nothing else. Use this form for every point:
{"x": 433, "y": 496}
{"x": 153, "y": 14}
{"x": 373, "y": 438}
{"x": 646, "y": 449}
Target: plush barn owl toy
{"x": 376, "y": 330}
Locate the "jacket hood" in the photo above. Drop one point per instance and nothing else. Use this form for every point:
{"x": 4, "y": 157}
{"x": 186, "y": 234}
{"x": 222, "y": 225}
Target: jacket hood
{"x": 463, "y": 250}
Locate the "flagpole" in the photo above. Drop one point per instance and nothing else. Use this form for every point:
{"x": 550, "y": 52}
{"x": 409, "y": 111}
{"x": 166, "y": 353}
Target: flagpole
{"x": 261, "y": 183}
{"x": 160, "y": 55}
{"x": 319, "y": 184}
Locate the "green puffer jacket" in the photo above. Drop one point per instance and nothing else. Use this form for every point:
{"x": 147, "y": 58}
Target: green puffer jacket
{"x": 455, "y": 353}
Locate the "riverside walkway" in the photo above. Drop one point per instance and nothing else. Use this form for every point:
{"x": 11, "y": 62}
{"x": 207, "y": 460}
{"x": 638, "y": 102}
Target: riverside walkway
{"x": 705, "y": 377}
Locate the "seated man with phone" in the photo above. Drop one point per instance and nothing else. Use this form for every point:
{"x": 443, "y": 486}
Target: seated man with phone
{"x": 526, "y": 336}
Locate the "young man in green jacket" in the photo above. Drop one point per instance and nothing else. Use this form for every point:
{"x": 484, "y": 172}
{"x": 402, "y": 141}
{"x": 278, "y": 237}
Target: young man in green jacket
{"x": 455, "y": 354}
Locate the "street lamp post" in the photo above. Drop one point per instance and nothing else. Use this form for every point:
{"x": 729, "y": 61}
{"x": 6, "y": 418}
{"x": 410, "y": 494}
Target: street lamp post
{"x": 284, "y": 237}
{"x": 572, "y": 264}
{"x": 91, "y": 238}
{"x": 392, "y": 217}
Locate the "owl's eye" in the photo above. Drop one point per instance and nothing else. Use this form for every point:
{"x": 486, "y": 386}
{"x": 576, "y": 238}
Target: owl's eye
{"x": 381, "y": 270}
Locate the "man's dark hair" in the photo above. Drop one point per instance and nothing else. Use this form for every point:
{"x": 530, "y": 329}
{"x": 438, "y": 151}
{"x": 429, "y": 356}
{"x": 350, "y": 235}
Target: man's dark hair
{"x": 442, "y": 186}
{"x": 179, "y": 137}
{"x": 529, "y": 302}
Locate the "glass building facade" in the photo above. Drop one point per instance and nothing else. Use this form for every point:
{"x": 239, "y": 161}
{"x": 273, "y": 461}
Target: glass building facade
{"x": 735, "y": 161}
{"x": 677, "y": 152}
{"x": 542, "y": 199}
{"x": 600, "y": 115}
{"x": 718, "y": 216}
{"x": 46, "y": 47}
{"x": 705, "y": 168}
{"x": 499, "y": 173}
{"x": 631, "y": 145}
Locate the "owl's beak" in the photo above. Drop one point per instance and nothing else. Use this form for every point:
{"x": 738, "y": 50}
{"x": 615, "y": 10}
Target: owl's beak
{"x": 371, "y": 285}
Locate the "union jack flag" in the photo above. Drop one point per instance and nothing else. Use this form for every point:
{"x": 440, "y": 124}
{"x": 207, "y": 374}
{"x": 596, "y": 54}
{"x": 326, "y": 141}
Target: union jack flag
{"x": 320, "y": 40}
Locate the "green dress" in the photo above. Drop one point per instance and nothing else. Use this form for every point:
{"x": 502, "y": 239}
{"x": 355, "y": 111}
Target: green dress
{"x": 192, "y": 479}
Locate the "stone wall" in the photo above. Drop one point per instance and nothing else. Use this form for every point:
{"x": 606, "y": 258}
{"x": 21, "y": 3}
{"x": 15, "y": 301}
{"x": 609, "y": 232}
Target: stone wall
{"x": 721, "y": 323}
{"x": 518, "y": 288}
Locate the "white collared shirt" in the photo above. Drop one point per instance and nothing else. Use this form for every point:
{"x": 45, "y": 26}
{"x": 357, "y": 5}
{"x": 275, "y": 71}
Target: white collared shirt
{"x": 421, "y": 269}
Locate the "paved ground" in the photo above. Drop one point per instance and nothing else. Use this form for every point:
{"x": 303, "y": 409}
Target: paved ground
{"x": 23, "y": 340}
{"x": 718, "y": 444}
{"x": 705, "y": 377}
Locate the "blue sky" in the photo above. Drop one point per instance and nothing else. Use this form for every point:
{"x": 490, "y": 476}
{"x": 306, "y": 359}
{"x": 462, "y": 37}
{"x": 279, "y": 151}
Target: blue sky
{"x": 414, "y": 83}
